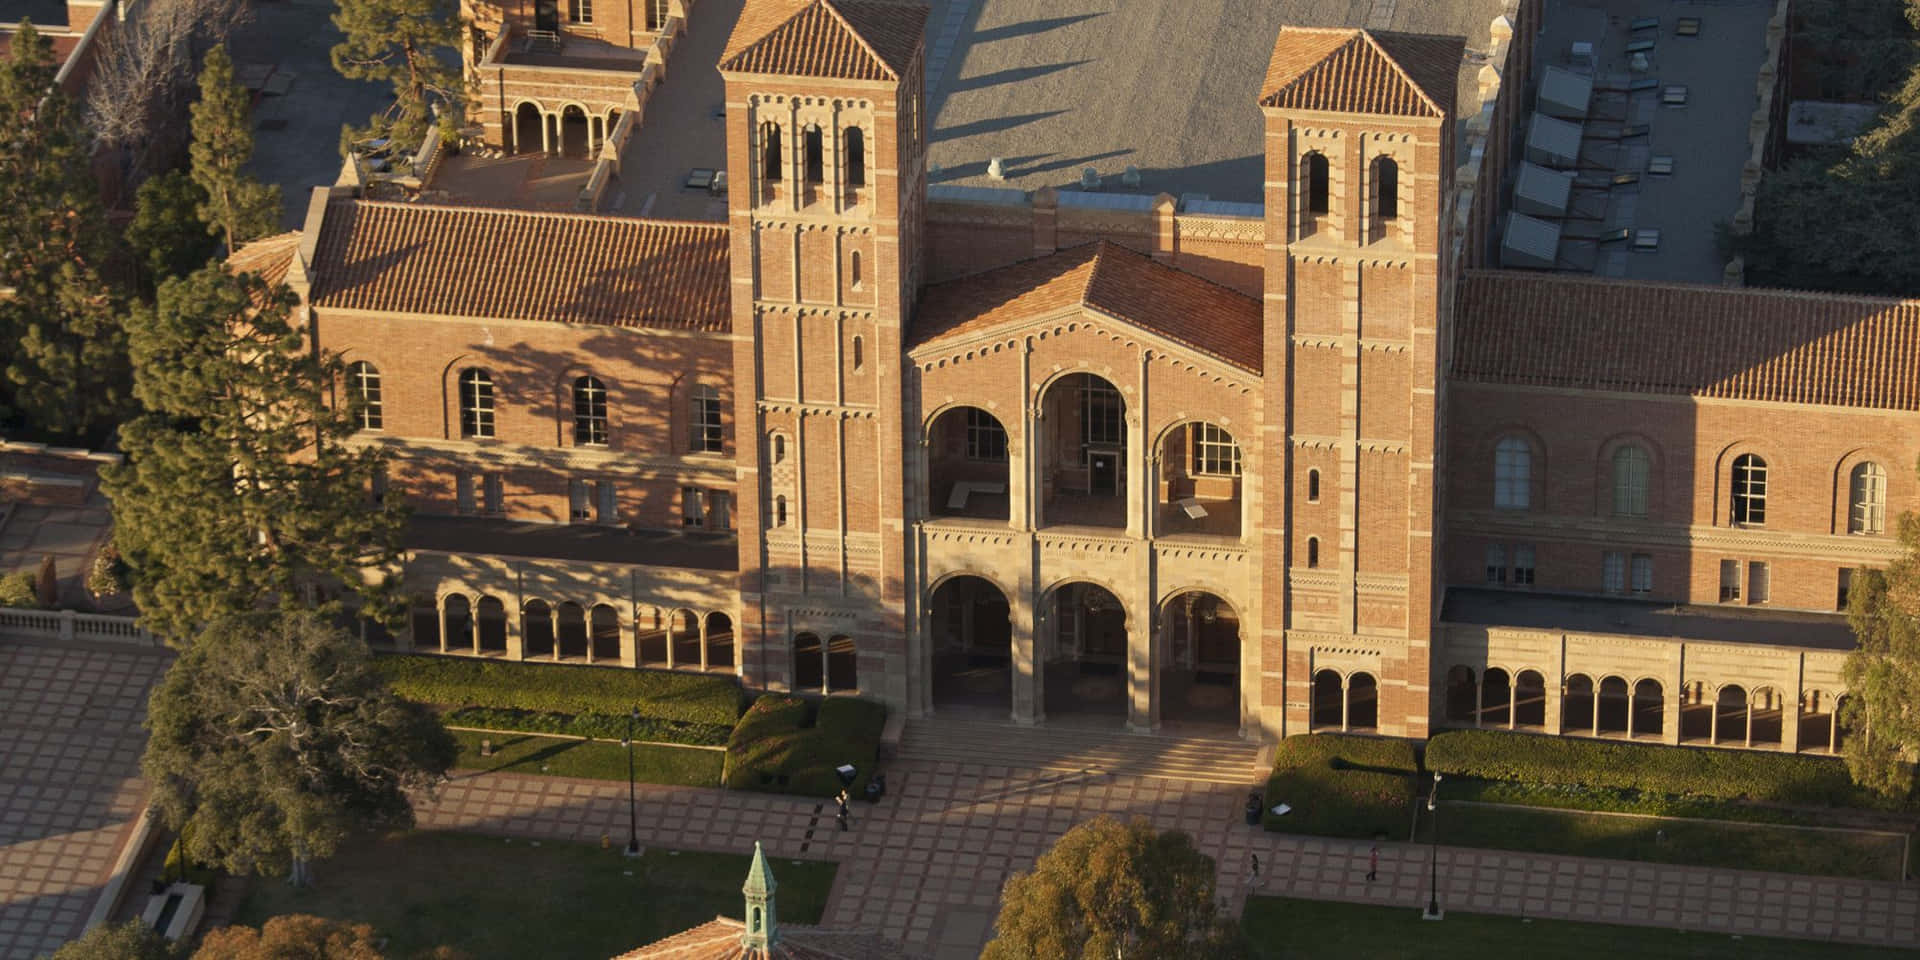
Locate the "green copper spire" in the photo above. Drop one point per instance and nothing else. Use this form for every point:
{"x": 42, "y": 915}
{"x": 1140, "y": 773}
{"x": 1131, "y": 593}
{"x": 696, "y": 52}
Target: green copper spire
{"x": 761, "y": 930}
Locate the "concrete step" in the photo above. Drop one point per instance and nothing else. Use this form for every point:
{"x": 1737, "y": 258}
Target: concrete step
{"x": 1071, "y": 748}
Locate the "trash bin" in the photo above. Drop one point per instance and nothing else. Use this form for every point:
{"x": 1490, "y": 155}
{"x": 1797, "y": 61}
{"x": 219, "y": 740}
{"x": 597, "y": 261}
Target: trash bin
{"x": 876, "y": 788}
{"x": 1253, "y": 808}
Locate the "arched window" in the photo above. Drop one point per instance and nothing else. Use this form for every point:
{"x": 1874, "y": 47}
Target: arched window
{"x": 589, "y": 412}
{"x": 780, "y": 510}
{"x": 1512, "y": 474}
{"x": 859, "y": 350}
{"x": 1313, "y": 552}
{"x": 1749, "y": 490}
{"x": 1316, "y": 177}
{"x": 1868, "y": 499}
{"x": 705, "y": 421}
{"x": 1386, "y": 187}
{"x": 476, "y": 403}
{"x": 779, "y": 448}
{"x": 853, "y": 269}
{"x": 856, "y": 146}
{"x": 1214, "y": 452}
{"x": 816, "y": 156}
{"x": 770, "y": 152}
{"x": 1630, "y": 482}
{"x": 1313, "y": 486}
{"x": 364, "y": 382}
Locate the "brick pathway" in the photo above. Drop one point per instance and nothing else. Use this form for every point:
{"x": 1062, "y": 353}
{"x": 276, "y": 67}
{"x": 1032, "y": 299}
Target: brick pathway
{"x": 70, "y": 743}
{"x": 925, "y": 867}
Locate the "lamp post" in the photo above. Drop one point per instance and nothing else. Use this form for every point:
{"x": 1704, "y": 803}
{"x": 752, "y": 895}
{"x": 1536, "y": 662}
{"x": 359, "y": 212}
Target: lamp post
{"x": 633, "y": 815}
{"x": 1433, "y": 856}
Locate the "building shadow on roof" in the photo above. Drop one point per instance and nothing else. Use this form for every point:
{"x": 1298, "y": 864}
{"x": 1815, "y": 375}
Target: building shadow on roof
{"x": 1015, "y": 75}
{"x": 1074, "y": 164}
{"x": 978, "y": 168}
{"x": 1026, "y": 28}
{"x": 994, "y": 125}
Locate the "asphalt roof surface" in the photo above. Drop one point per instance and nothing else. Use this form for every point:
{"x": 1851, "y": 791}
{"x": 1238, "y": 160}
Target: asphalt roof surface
{"x": 1645, "y": 618}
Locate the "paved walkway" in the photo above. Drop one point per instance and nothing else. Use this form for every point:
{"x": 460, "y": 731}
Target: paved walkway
{"x": 925, "y": 866}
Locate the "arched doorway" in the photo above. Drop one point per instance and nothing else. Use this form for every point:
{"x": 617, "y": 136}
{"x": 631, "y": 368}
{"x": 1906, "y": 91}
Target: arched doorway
{"x": 423, "y": 625}
{"x": 1696, "y": 713}
{"x": 1730, "y": 715}
{"x": 575, "y": 135}
{"x": 1613, "y": 706}
{"x": 459, "y": 620}
{"x": 527, "y": 133}
{"x": 686, "y": 640}
{"x": 1496, "y": 699}
{"x": 972, "y": 644}
{"x": 1529, "y": 699}
{"x": 1766, "y": 718}
{"x": 1363, "y": 703}
{"x": 650, "y": 638}
{"x": 603, "y": 627}
{"x": 536, "y": 625}
{"x": 809, "y": 664}
{"x": 1084, "y": 452}
{"x": 1087, "y": 651}
{"x": 720, "y": 642}
{"x": 967, "y": 465}
{"x": 1200, "y": 679}
{"x": 1817, "y": 721}
{"x": 843, "y": 665}
{"x": 1460, "y": 695}
{"x": 572, "y": 628}
{"x": 1576, "y": 705}
{"x": 1328, "y": 702}
{"x": 1198, "y": 489}
{"x": 1649, "y": 709}
{"x": 493, "y": 625}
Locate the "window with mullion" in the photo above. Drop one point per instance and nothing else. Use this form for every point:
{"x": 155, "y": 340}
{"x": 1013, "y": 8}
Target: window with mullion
{"x": 364, "y": 380}
{"x": 708, "y": 427}
{"x": 1214, "y": 452}
{"x": 1102, "y": 416}
{"x": 986, "y": 439}
{"x": 589, "y": 412}
{"x": 476, "y": 403}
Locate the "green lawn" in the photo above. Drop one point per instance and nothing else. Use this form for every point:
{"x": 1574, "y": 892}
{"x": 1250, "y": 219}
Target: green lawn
{"x": 1282, "y": 929}
{"x": 592, "y": 759}
{"x": 1754, "y": 846}
{"x": 509, "y": 899}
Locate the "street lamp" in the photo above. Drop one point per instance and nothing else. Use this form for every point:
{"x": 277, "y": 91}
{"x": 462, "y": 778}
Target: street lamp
{"x": 633, "y": 815}
{"x": 1433, "y": 857}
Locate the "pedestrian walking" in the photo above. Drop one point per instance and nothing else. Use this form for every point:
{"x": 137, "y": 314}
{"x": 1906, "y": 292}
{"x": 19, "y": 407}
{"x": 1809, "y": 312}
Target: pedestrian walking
{"x": 840, "y": 816}
{"x": 1256, "y": 865}
{"x": 1373, "y": 864}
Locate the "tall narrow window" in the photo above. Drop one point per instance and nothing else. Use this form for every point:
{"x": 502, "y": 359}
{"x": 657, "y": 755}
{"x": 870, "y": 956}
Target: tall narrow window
{"x": 1630, "y": 482}
{"x": 580, "y": 11}
{"x": 1642, "y": 574}
{"x": 589, "y": 412}
{"x": 1214, "y": 452}
{"x": 779, "y": 448}
{"x": 1512, "y": 474}
{"x": 1316, "y": 177}
{"x": 463, "y": 493}
{"x": 1496, "y": 564}
{"x": 1102, "y": 415}
{"x": 780, "y": 511}
{"x": 719, "y": 510}
{"x": 693, "y": 507}
{"x": 986, "y": 439}
{"x": 1313, "y": 552}
{"x": 1523, "y": 565}
{"x": 493, "y": 490}
{"x": 856, "y": 147}
{"x": 1867, "y": 497}
{"x": 770, "y": 152}
{"x": 1845, "y": 592}
{"x": 1749, "y": 490}
{"x": 1729, "y": 581}
{"x": 364, "y": 381}
{"x": 579, "y": 501}
{"x": 1614, "y": 571}
{"x": 708, "y": 434}
{"x": 657, "y": 11}
{"x": 1386, "y": 186}
{"x": 816, "y": 156}
{"x": 853, "y": 269}
{"x": 476, "y": 403}
{"x": 859, "y": 350}
{"x": 1759, "y": 581}
{"x": 607, "y": 506}
{"x": 1313, "y": 486}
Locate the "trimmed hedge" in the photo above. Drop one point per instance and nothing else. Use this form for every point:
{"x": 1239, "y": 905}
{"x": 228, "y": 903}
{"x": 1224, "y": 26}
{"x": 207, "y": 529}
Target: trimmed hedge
{"x": 1741, "y": 775}
{"x": 20, "y": 589}
{"x": 788, "y": 745}
{"x": 1341, "y": 785}
{"x": 563, "y": 688}
{"x": 596, "y": 726}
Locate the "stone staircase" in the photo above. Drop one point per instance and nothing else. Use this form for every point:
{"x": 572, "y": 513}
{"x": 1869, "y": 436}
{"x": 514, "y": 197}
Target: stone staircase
{"x": 1076, "y": 746}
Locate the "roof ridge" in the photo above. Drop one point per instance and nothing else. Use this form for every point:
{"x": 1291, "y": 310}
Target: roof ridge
{"x": 1599, "y": 281}
{"x": 1400, "y": 68}
{"x": 834, "y": 8}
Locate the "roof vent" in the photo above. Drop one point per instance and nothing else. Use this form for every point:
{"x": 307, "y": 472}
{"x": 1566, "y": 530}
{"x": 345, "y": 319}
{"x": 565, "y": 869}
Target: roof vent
{"x": 1675, "y": 95}
{"x": 996, "y": 169}
{"x": 1089, "y": 179}
{"x": 1131, "y": 177}
{"x": 1661, "y": 165}
{"x": 1646, "y": 240}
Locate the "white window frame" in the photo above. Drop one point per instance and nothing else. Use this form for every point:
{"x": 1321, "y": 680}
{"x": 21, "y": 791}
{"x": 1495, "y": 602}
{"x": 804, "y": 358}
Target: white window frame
{"x": 693, "y": 507}
{"x": 1215, "y": 454}
{"x": 1631, "y": 470}
{"x": 1641, "y": 570}
{"x": 579, "y": 500}
{"x": 1613, "y": 572}
{"x": 986, "y": 438}
{"x": 590, "y": 423}
{"x": 707, "y": 421}
{"x": 1748, "y": 484}
{"x": 1523, "y": 565}
{"x": 1496, "y": 564}
{"x": 1512, "y": 474}
{"x": 1867, "y": 499}
{"x": 363, "y": 379}
{"x": 1097, "y": 433}
{"x": 476, "y": 410}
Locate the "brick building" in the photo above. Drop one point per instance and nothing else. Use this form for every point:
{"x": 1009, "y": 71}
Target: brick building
{"x": 1255, "y": 432}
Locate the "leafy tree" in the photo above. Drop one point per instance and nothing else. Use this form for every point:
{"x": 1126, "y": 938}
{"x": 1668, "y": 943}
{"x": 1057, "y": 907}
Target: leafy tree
{"x": 239, "y": 491}
{"x": 237, "y": 207}
{"x": 276, "y": 739}
{"x": 405, "y": 43}
{"x": 131, "y": 940}
{"x": 295, "y": 936}
{"x": 1108, "y": 890}
{"x": 61, "y": 343}
{"x": 1883, "y": 674}
{"x": 167, "y": 236}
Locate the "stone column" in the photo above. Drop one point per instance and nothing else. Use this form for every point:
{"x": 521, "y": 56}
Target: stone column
{"x": 1347, "y": 701}
{"x": 1143, "y": 681}
{"x": 1029, "y": 681}
{"x": 440, "y": 606}
{"x": 703, "y": 644}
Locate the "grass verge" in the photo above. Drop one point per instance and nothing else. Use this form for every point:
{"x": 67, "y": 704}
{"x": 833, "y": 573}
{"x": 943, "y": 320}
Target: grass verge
{"x": 590, "y": 759}
{"x": 1282, "y": 929}
{"x": 1341, "y": 786}
{"x": 495, "y": 898}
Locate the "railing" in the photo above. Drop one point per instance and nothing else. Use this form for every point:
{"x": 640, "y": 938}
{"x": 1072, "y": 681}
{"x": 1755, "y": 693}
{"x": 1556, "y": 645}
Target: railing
{"x": 65, "y": 625}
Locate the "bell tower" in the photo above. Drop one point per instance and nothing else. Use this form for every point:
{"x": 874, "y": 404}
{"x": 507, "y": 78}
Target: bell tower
{"x": 1359, "y": 154}
{"x": 826, "y": 177}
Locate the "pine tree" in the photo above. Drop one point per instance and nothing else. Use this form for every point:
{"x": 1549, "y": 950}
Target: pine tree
{"x": 240, "y": 491}
{"x": 238, "y": 207}
{"x": 61, "y": 341}
{"x": 405, "y": 43}
{"x": 167, "y": 236}
{"x": 1882, "y": 712}
{"x": 276, "y": 739}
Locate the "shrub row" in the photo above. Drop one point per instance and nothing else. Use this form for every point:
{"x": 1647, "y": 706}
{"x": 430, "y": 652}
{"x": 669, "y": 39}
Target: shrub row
{"x": 20, "y": 589}
{"x": 564, "y": 688}
{"x": 1561, "y": 796}
{"x": 787, "y": 745}
{"x": 1341, "y": 786}
{"x": 597, "y": 726}
{"x": 1746, "y": 775}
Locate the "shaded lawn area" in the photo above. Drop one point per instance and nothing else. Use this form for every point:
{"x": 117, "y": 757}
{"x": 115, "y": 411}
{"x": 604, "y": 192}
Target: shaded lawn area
{"x": 1747, "y": 846}
{"x": 1283, "y": 929}
{"x": 591, "y": 759}
{"x": 491, "y": 897}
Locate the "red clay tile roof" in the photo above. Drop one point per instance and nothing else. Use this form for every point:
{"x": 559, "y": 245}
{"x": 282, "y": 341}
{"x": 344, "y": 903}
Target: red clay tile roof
{"x": 834, "y": 39}
{"x": 719, "y": 939}
{"x": 1362, "y": 71}
{"x": 1742, "y": 343}
{"x": 270, "y": 257}
{"x": 513, "y": 264}
{"x": 1111, "y": 279}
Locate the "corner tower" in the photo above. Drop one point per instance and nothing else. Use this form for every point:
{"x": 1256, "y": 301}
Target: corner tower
{"x": 826, "y": 193}
{"x": 1359, "y": 150}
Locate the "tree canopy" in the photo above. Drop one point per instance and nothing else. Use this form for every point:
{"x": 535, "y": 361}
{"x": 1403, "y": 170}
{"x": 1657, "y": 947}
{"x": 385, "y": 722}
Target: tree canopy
{"x": 277, "y": 740}
{"x": 1882, "y": 711}
{"x": 294, "y": 936}
{"x": 131, "y": 940}
{"x": 1111, "y": 890}
{"x": 237, "y": 206}
{"x": 402, "y": 42}
{"x": 240, "y": 490}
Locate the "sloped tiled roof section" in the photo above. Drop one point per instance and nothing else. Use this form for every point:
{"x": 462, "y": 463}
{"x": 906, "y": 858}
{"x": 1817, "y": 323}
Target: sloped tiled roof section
{"x": 1776, "y": 346}
{"x": 1111, "y": 279}
{"x": 269, "y": 257}
{"x": 517, "y": 265}
{"x": 719, "y": 939}
{"x": 828, "y": 39}
{"x": 1362, "y": 71}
